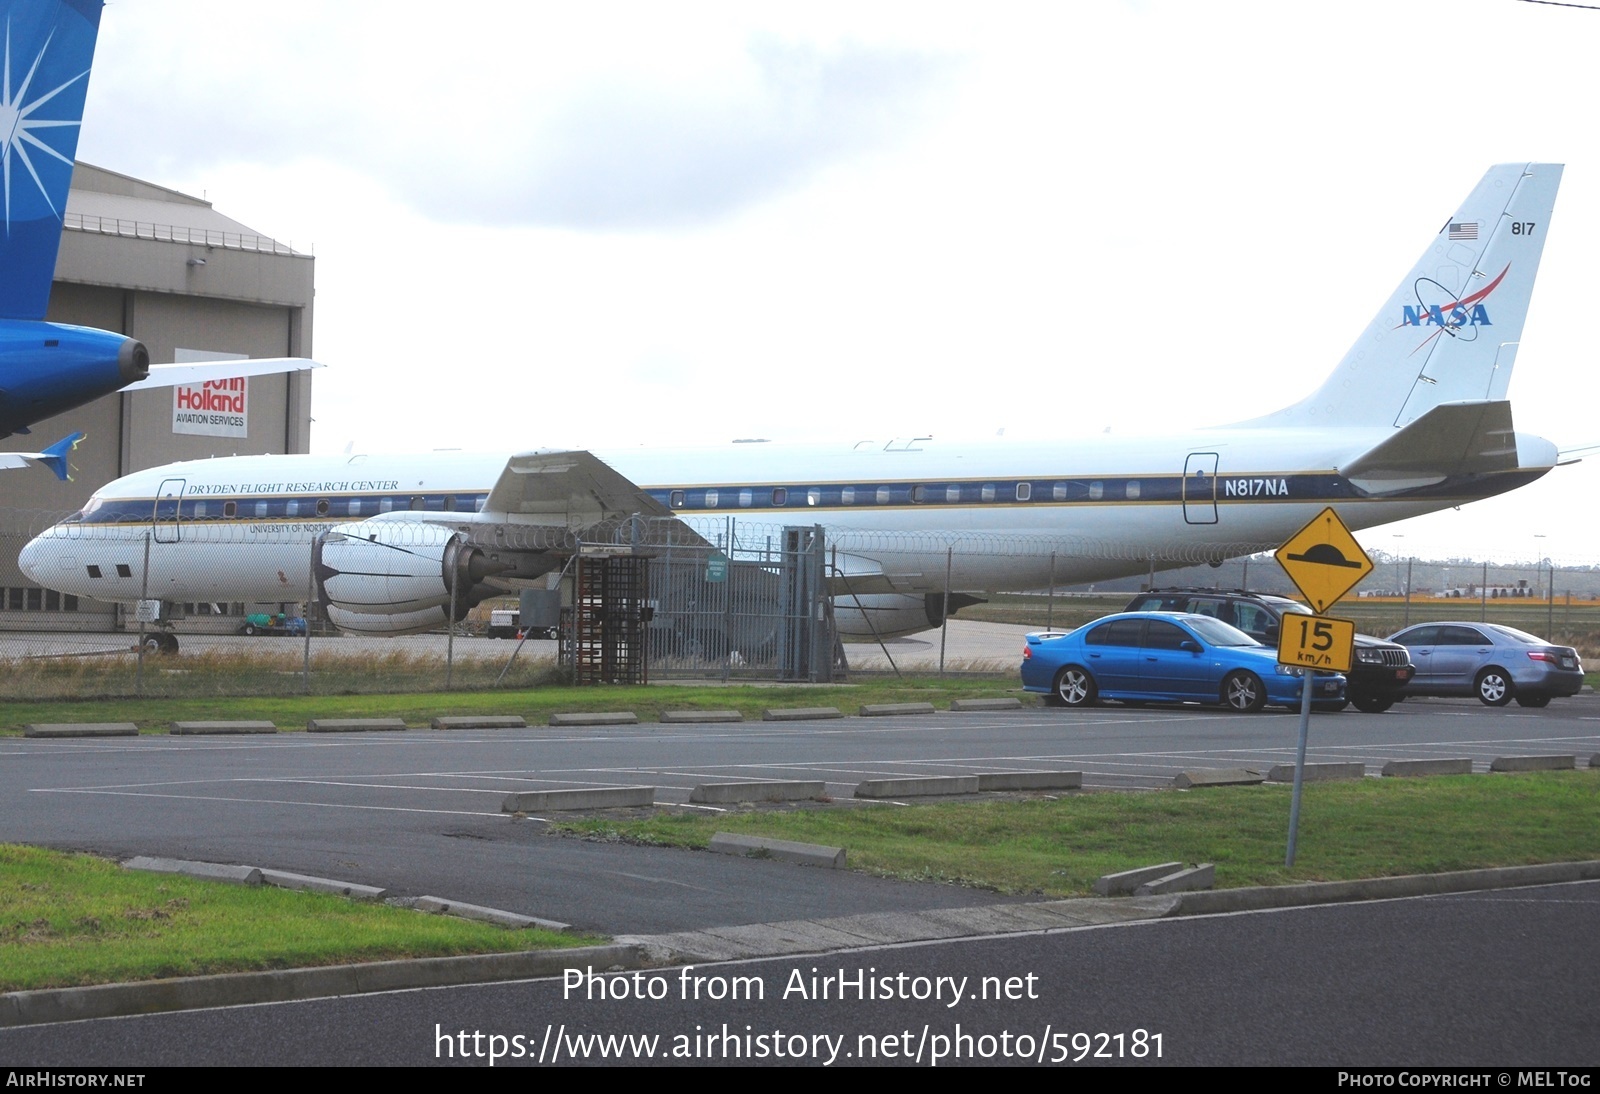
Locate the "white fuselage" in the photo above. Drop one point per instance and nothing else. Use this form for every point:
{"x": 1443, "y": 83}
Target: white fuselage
{"x": 995, "y": 516}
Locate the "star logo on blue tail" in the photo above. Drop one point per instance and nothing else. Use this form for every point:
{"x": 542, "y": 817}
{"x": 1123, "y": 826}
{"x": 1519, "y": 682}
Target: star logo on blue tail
{"x": 21, "y": 130}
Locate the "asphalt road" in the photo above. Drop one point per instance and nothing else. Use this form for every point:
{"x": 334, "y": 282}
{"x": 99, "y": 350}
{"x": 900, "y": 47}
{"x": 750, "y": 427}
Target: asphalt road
{"x": 1494, "y": 981}
{"x": 419, "y": 812}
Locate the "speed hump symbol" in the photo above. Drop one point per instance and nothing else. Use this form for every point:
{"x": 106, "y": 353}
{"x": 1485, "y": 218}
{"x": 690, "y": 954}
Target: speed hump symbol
{"x": 1316, "y": 642}
{"x": 1324, "y": 560}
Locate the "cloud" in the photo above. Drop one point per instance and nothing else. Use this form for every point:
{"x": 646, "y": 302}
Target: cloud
{"x": 522, "y": 119}
{"x": 631, "y": 156}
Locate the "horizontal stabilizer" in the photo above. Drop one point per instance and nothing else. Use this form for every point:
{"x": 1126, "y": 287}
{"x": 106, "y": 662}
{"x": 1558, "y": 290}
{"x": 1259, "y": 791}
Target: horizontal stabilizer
{"x": 1577, "y": 453}
{"x": 54, "y": 457}
{"x": 201, "y": 371}
{"x": 1452, "y": 439}
{"x": 574, "y": 489}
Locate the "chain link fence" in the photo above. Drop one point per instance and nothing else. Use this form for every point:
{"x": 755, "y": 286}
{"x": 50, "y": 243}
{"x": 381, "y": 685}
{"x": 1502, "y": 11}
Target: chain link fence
{"x": 279, "y": 607}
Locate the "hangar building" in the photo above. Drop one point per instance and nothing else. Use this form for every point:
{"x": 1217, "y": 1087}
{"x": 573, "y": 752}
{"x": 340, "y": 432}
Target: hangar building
{"x": 191, "y": 284}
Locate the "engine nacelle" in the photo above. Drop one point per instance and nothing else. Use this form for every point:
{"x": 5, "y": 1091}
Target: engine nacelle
{"x": 394, "y": 577}
{"x": 890, "y": 615}
{"x": 49, "y": 368}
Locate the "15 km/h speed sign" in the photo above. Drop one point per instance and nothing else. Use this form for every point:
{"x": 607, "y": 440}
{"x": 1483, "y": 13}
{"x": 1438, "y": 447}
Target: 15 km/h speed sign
{"x": 1316, "y": 642}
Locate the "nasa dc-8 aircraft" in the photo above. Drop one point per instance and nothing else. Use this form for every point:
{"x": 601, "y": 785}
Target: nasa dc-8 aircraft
{"x": 1415, "y": 418}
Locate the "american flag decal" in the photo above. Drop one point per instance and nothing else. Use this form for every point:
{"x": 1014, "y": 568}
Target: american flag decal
{"x": 1464, "y": 229}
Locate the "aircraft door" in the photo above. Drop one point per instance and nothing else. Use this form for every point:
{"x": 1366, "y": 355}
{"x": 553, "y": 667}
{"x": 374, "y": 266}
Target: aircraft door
{"x": 1200, "y": 488}
{"x": 168, "y": 509}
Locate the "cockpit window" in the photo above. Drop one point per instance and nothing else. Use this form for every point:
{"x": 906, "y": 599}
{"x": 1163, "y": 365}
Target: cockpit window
{"x": 93, "y": 503}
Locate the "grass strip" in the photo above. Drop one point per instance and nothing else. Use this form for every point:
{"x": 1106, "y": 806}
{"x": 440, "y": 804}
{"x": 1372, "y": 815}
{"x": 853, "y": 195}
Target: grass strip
{"x": 534, "y": 704}
{"x": 69, "y": 920}
{"x": 1057, "y": 848}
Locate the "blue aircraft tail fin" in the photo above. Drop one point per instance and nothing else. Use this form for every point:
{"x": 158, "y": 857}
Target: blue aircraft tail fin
{"x": 54, "y": 457}
{"x": 44, "y": 76}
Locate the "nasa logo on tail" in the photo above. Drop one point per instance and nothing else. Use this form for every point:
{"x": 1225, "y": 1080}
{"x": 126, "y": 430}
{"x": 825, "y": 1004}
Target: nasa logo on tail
{"x": 1453, "y": 316}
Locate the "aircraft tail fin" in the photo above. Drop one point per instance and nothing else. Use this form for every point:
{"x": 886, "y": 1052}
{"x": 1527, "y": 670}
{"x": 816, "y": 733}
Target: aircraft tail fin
{"x": 1449, "y": 333}
{"x": 44, "y": 77}
{"x": 54, "y": 457}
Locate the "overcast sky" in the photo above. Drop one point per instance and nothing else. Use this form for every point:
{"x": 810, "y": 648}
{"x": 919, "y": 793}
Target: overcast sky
{"x": 608, "y": 225}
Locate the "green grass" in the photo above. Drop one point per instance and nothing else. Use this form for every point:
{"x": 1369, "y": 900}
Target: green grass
{"x": 68, "y": 920}
{"x": 534, "y": 704}
{"x": 74, "y": 919}
{"x": 1357, "y": 829}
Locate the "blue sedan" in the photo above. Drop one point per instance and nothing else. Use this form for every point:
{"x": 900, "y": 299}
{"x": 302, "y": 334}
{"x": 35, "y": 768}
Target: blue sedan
{"x": 1166, "y": 657}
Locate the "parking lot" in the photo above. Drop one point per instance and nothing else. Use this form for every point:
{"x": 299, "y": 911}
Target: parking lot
{"x": 419, "y": 811}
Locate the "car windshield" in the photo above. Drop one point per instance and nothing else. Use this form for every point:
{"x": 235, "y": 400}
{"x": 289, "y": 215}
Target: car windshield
{"x": 1290, "y": 607}
{"x": 1218, "y": 633}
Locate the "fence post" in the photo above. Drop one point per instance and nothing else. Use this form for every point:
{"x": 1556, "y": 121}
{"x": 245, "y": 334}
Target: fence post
{"x": 311, "y": 599}
{"x": 450, "y": 623}
{"x": 1483, "y": 596}
{"x": 1550, "y": 602}
{"x": 1050, "y": 597}
{"x": 144, "y": 594}
{"x": 944, "y": 621}
{"x": 1407, "y": 622}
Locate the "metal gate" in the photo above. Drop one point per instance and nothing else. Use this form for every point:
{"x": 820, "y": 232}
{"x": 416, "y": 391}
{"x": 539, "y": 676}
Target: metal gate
{"x": 609, "y": 616}
{"x": 753, "y": 607}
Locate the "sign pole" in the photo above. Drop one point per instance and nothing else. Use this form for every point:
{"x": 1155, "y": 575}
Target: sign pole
{"x": 1299, "y": 769}
{"x": 1325, "y": 562}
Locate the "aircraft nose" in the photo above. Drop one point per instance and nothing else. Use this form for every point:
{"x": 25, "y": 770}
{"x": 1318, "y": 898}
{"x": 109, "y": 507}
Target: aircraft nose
{"x": 28, "y": 560}
{"x": 41, "y": 560}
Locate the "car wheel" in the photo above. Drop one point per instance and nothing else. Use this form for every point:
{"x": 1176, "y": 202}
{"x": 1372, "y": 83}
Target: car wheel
{"x": 1493, "y": 687}
{"x": 1533, "y": 700}
{"x": 1074, "y": 687}
{"x": 249, "y": 629}
{"x": 1243, "y": 692}
{"x": 1372, "y": 704}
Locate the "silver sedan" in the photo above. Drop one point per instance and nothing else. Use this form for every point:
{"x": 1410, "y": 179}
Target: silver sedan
{"x": 1494, "y": 662}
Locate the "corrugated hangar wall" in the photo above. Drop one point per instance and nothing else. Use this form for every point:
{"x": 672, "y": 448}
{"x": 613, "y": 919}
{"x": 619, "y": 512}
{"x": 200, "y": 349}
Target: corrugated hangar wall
{"x": 168, "y": 269}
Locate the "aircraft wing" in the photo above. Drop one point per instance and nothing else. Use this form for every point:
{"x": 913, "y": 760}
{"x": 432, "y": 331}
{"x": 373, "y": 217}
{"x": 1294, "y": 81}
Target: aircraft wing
{"x": 199, "y": 372}
{"x": 1450, "y": 439}
{"x": 573, "y": 489}
{"x": 861, "y": 576}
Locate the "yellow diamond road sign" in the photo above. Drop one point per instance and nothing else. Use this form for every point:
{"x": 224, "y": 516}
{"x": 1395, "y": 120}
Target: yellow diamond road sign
{"x": 1324, "y": 560}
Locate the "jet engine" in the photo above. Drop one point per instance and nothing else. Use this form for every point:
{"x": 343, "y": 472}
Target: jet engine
{"x": 890, "y": 615}
{"x": 49, "y": 368}
{"x": 388, "y": 577}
